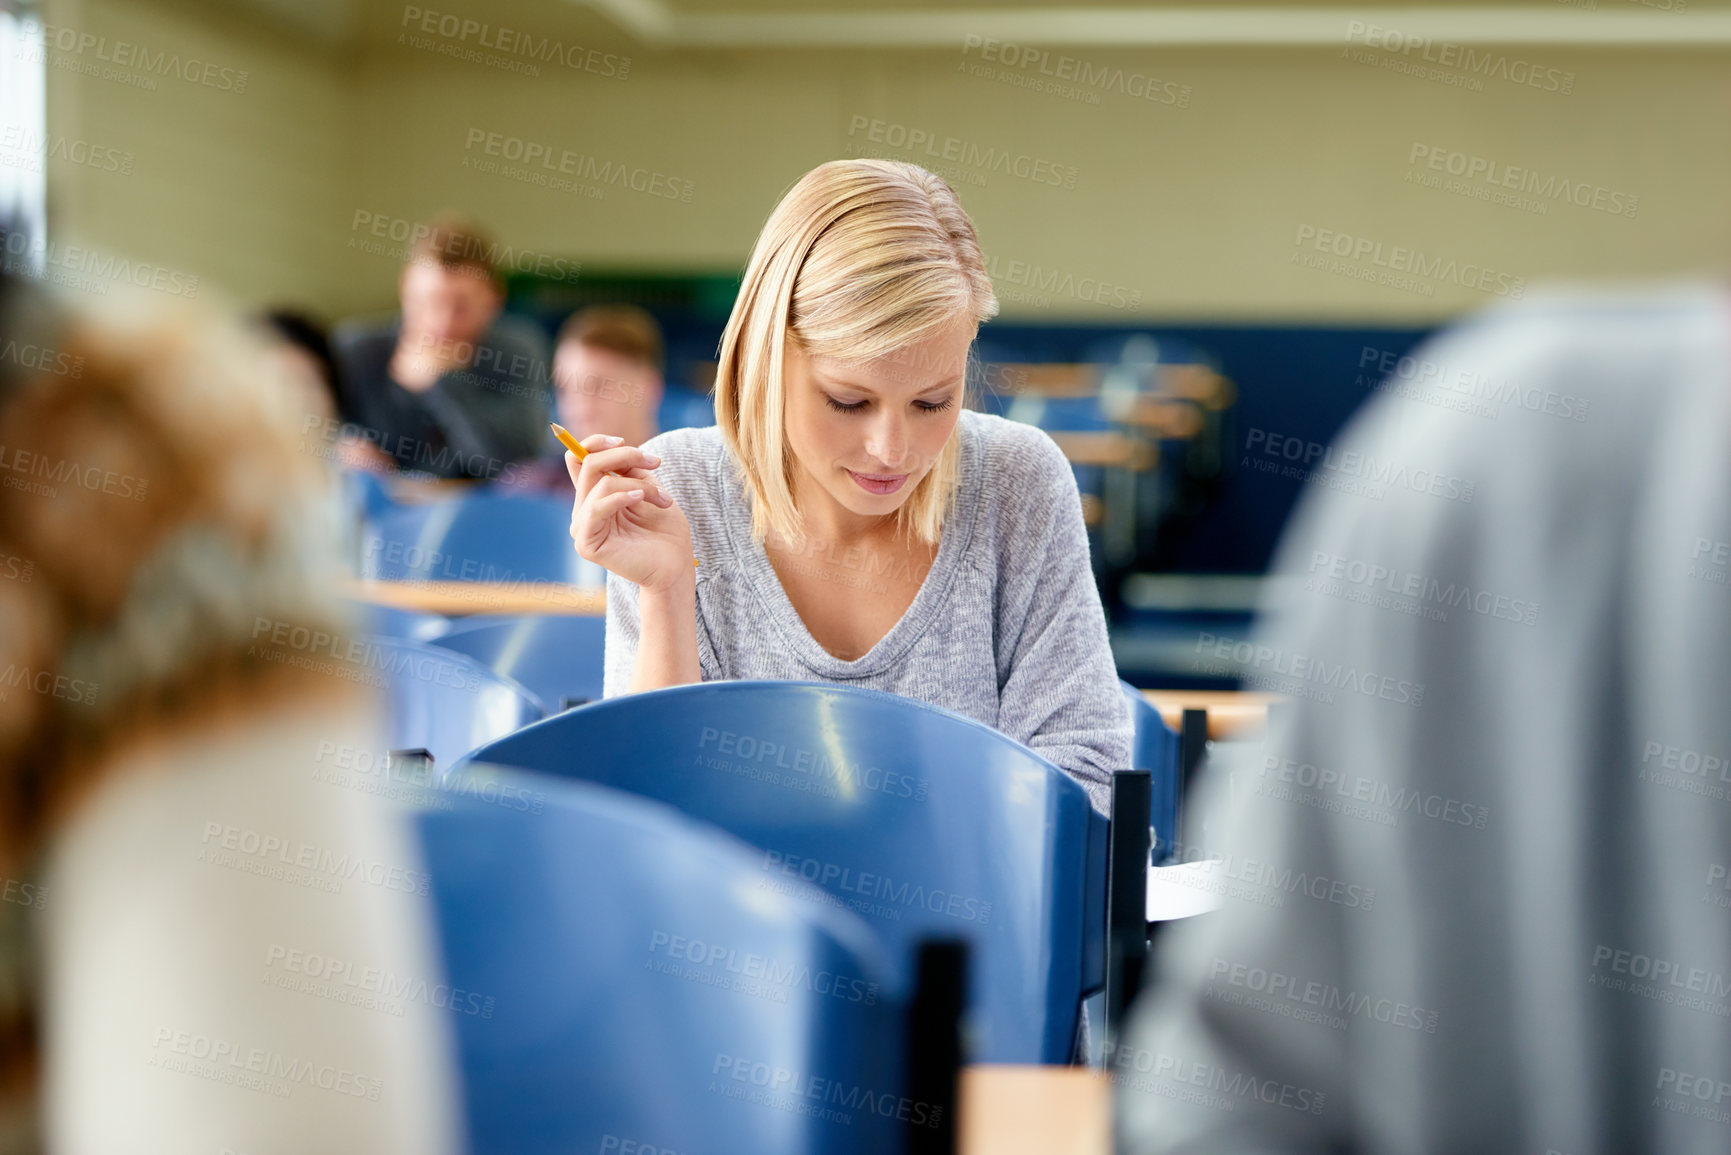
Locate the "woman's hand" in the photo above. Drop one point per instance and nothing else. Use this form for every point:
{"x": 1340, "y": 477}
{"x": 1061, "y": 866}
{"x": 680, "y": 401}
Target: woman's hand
{"x": 622, "y": 520}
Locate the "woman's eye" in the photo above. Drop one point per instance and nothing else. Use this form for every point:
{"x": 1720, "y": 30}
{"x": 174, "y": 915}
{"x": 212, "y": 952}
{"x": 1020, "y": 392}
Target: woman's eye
{"x": 922, "y": 406}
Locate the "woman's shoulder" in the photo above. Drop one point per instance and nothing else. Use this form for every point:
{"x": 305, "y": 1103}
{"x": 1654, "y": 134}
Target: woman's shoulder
{"x": 690, "y": 446}
{"x": 1027, "y": 491}
{"x": 689, "y": 458}
{"x": 1016, "y": 456}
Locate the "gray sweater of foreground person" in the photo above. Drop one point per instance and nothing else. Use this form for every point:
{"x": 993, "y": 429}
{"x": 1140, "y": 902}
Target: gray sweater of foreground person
{"x": 1490, "y": 913}
{"x": 1007, "y": 628}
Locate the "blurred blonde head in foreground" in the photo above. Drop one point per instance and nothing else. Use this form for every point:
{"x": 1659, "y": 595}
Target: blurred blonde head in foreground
{"x": 156, "y": 510}
{"x": 156, "y": 494}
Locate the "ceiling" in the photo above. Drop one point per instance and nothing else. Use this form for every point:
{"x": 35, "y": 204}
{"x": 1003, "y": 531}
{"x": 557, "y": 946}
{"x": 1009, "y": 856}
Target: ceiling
{"x": 700, "y": 25}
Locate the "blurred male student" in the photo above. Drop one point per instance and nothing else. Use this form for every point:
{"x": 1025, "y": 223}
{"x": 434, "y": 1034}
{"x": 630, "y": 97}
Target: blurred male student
{"x": 1489, "y": 856}
{"x": 607, "y": 370}
{"x": 450, "y": 387}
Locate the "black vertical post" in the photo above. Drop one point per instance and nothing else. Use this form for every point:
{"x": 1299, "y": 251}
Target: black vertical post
{"x": 1192, "y": 745}
{"x": 935, "y": 1047}
{"x": 1127, "y": 846}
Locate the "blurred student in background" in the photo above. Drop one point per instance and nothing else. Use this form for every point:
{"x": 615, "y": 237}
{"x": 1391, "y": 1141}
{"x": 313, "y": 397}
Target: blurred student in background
{"x": 451, "y": 387}
{"x": 851, "y": 518}
{"x": 303, "y": 348}
{"x": 1503, "y": 787}
{"x": 166, "y": 833}
{"x": 607, "y": 367}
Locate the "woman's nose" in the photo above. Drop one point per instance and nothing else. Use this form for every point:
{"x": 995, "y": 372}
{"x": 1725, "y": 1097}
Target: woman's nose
{"x": 888, "y": 443}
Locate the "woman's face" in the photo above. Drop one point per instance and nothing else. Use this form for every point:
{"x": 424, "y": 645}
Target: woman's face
{"x": 866, "y": 432}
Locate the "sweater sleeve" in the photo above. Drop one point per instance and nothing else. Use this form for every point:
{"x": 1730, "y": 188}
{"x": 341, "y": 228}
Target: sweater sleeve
{"x": 684, "y": 474}
{"x": 624, "y": 628}
{"x": 1058, "y": 689}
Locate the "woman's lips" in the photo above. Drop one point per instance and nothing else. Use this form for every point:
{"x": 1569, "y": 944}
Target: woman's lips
{"x": 878, "y": 483}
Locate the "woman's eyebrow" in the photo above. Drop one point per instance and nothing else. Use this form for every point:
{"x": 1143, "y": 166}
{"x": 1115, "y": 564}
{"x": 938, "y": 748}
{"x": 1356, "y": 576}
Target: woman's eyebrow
{"x": 835, "y": 382}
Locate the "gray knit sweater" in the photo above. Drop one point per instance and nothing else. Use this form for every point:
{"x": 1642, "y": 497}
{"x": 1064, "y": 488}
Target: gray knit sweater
{"x": 1007, "y": 628}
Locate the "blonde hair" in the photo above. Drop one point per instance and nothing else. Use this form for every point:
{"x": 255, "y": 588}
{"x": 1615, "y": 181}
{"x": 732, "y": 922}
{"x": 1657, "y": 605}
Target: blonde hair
{"x": 860, "y": 259}
{"x": 175, "y": 510}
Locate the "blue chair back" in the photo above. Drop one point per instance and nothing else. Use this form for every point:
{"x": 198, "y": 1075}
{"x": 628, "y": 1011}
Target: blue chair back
{"x": 685, "y": 408}
{"x": 479, "y": 538}
{"x": 557, "y": 656}
{"x": 364, "y": 494}
{"x": 1154, "y": 748}
{"x": 925, "y": 822}
{"x": 446, "y": 702}
{"x": 392, "y": 622}
{"x": 621, "y": 981}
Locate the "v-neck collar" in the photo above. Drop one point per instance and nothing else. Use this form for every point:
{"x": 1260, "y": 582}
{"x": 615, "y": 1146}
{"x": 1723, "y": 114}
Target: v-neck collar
{"x": 751, "y": 560}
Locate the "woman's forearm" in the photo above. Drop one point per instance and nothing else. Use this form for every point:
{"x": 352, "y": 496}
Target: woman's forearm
{"x": 667, "y": 643}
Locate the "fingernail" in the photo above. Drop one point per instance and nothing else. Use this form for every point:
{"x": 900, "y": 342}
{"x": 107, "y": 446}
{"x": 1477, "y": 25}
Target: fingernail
{"x": 611, "y": 440}
{"x": 652, "y": 459}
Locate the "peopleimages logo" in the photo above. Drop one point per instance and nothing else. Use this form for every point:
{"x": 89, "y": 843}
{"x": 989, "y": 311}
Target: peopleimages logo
{"x": 224, "y": 1061}
{"x": 1399, "y": 259}
{"x": 124, "y": 54}
{"x": 1282, "y": 667}
{"x": 1282, "y": 992}
{"x": 525, "y": 47}
{"x": 1471, "y": 167}
{"x": 1466, "y": 385}
{"x": 813, "y": 1095}
{"x": 1361, "y": 797}
{"x": 1367, "y": 582}
{"x": 928, "y": 143}
{"x": 1457, "y": 61}
{"x": 878, "y": 887}
{"x": 761, "y": 968}
{"x": 1348, "y": 470}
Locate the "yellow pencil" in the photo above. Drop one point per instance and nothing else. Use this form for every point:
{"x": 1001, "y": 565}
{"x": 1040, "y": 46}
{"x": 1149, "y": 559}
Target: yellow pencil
{"x": 570, "y": 442}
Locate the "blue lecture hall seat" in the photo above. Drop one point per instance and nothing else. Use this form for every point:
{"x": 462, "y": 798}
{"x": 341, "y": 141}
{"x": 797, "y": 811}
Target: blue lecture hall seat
{"x": 444, "y": 702}
{"x": 629, "y": 984}
{"x": 364, "y": 494}
{"x": 926, "y": 823}
{"x": 391, "y": 622}
{"x": 557, "y": 656}
{"x": 1155, "y": 749}
{"x": 684, "y": 409}
{"x": 479, "y": 538}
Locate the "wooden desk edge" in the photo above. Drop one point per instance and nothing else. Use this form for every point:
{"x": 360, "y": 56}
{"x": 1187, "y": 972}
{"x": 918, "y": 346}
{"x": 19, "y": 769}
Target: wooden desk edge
{"x": 1010, "y": 1109}
{"x": 458, "y": 598}
{"x": 1232, "y": 714}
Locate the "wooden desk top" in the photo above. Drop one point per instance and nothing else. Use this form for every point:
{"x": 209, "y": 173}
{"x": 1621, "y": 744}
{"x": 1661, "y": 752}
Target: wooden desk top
{"x": 1231, "y": 713}
{"x": 1028, "y": 1110}
{"x": 455, "y": 599}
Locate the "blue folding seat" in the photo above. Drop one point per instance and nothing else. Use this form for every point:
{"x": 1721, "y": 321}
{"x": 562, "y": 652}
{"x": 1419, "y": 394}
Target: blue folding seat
{"x": 393, "y": 622}
{"x": 684, "y": 409}
{"x": 483, "y": 537}
{"x": 1154, "y": 748}
{"x": 621, "y": 981}
{"x": 444, "y": 702}
{"x": 557, "y": 656}
{"x": 926, "y": 823}
{"x": 364, "y": 494}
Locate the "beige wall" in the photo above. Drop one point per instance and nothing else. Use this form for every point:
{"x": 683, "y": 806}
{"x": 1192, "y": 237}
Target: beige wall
{"x": 1191, "y": 212}
{"x": 231, "y": 179}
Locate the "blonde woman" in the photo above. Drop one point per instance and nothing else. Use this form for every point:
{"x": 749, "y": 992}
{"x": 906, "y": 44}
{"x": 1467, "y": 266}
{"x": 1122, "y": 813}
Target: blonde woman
{"x": 198, "y": 915}
{"x": 851, "y": 519}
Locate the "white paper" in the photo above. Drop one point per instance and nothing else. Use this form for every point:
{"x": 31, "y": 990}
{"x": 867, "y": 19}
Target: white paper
{"x": 1187, "y": 889}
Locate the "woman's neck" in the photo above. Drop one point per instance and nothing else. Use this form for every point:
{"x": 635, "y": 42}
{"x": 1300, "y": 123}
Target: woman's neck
{"x": 822, "y": 516}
